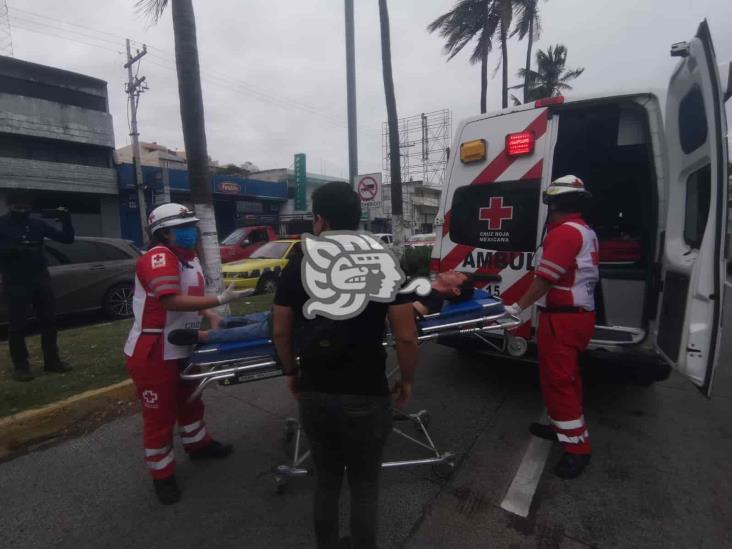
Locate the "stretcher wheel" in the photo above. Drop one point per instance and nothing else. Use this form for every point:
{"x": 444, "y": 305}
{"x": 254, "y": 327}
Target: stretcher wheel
{"x": 517, "y": 346}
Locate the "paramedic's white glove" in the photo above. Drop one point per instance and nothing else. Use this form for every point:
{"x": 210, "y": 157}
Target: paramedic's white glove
{"x": 230, "y": 294}
{"x": 513, "y": 310}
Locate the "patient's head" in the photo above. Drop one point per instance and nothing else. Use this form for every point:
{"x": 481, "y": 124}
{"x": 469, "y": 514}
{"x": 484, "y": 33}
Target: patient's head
{"x": 454, "y": 285}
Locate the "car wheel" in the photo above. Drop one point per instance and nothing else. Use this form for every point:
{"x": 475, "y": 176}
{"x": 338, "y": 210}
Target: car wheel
{"x": 267, "y": 284}
{"x": 118, "y": 301}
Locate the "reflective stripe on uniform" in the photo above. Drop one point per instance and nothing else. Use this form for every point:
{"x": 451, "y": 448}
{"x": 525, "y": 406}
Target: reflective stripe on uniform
{"x": 195, "y": 438}
{"x": 547, "y": 272}
{"x": 174, "y": 287}
{"x": 191, "y": 427}
{"x": 552, "y": 265}
{"x": 149, "y": 452}
{"x": 579, "y": 439}
{"x": 569, "y": 424}
{"x": 163, "y": 463}
{"x": 165, "y": 278}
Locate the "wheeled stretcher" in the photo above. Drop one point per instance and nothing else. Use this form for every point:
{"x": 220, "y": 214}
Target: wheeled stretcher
{"x": 237, "y": 362}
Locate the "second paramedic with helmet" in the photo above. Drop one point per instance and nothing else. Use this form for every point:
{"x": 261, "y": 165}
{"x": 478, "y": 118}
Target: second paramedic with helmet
{"x": 169, "y": 295}
{"x": 565, "y": 275}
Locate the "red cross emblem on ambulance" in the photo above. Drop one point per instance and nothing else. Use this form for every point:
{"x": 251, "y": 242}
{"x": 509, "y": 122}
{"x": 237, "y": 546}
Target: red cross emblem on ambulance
{"x": 496, "y": 213}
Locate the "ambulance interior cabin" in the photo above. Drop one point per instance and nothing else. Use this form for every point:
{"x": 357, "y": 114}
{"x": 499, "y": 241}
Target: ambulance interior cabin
{"x": 609, "y": 147}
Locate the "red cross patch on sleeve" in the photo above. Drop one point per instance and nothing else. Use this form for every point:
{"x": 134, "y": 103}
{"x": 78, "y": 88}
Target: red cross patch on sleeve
{"x": 158, "y": 261}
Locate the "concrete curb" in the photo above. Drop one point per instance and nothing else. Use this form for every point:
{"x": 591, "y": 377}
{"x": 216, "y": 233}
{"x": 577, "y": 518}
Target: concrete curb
{"x": 35, "y": 425}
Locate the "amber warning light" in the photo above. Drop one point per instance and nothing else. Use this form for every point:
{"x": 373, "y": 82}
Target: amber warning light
{"x": 520, "y": 144}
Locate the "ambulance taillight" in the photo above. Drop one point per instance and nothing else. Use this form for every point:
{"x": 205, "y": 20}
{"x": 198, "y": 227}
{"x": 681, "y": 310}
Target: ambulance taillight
{"x": 520, "y": 144}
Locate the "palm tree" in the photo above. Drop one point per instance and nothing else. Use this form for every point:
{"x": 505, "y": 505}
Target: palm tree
{"x": 194, "y": 130}
{"x": 505, "y": 9}
{"x": 528, "y": 24}
{"x": 393, "y": 121}
{"x": 551, "y": 76}
{"x": 469, "y": 20}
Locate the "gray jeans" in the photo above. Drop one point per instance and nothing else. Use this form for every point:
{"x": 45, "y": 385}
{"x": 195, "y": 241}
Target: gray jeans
{"x": 347, "y": 434}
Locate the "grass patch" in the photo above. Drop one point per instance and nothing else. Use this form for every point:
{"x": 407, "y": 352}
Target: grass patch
{"x": 94, "y": 351}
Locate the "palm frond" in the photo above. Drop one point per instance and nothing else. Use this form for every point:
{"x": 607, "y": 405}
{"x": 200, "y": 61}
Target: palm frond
{"x": 153, "y": 9}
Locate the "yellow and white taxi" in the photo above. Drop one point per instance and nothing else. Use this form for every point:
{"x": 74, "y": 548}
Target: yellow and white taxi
{"x": 262, "y": 269}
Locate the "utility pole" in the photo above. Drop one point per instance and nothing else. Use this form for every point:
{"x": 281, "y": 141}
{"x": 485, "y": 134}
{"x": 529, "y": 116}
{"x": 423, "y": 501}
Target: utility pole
{"x": 135, "y": 86}
{"x": 351, "y": 94}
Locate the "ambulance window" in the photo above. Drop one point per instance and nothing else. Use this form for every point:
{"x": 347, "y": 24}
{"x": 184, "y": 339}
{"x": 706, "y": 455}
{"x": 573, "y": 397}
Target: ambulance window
{"x": 692, "y": 121}
{"x": 698, "y": 192}
{"x": 501, "y": 216}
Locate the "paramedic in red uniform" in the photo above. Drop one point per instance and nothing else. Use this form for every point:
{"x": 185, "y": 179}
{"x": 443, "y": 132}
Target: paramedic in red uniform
{"x": 564, "y": 286}
{"x": 169, "y": 294}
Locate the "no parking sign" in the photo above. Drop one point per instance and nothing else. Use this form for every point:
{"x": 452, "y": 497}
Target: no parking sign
{"x": 368, "y": 188}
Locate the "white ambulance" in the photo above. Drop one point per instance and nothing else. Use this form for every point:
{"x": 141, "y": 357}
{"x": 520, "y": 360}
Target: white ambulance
{"x": 660, "y": 207}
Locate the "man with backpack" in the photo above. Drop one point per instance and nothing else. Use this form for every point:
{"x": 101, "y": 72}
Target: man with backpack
{"x": 341, "y": 384}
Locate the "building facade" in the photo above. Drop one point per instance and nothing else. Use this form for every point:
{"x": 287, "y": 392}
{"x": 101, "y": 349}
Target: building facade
{"x": 291, "y": 219}
{"x": 237, "y": 201}
{"x": 419, "y": 206}
{"x": 57, "y": 142}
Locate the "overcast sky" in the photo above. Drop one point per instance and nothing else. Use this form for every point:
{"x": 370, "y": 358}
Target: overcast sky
{"x": 274, "y": 70}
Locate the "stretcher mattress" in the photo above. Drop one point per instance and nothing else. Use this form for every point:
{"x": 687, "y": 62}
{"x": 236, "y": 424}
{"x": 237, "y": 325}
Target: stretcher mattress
{"x": 482, "y": 305}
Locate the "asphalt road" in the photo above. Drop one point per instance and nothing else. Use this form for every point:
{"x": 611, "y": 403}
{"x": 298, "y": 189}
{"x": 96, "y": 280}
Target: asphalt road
{"x": 660, "y": 473}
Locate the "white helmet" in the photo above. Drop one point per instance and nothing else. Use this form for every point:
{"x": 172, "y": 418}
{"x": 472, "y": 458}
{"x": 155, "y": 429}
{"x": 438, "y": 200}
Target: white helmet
{"x": 170, "y": 215}
{"x": 562, "y": 186}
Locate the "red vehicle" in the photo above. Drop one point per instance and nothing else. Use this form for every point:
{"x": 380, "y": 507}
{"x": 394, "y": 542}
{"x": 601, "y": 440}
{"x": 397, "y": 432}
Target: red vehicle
{"x": 243, "y": 241}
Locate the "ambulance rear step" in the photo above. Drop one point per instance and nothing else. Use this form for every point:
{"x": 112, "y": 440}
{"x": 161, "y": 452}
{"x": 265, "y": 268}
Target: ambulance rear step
{"x": 617, "y": 335}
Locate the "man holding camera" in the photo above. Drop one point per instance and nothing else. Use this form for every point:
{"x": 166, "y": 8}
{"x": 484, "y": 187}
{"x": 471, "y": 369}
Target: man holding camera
{"x": 26, "y": 280}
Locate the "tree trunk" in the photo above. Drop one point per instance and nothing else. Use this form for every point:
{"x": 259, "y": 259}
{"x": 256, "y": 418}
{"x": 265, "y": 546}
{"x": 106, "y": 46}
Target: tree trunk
{"x": 504, "y": 62}
{"x": 391, "y": 114}
{"x": 484, "y": 81}
{"x": 194, "y": 137}
{"x": 527, "y": 77}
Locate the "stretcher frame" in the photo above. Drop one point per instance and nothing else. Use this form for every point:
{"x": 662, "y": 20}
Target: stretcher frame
{"x": 230, "y": 371}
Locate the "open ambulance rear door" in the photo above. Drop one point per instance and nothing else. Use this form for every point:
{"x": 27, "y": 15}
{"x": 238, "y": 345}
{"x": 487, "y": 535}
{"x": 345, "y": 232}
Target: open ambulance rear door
{"x": 693, "y": 258}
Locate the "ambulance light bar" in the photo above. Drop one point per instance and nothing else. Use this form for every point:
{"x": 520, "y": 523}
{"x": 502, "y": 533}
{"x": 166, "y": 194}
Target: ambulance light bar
{"x": 472, "y": 151}
{"x": 520, "y": 144}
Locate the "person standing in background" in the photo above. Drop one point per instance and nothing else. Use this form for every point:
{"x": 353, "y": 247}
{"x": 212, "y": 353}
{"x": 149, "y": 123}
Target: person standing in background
{"x": 26, "y": 280}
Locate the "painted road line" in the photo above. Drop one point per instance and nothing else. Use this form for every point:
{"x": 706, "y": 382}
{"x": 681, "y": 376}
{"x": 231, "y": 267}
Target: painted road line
{"x": 521, "y": 492}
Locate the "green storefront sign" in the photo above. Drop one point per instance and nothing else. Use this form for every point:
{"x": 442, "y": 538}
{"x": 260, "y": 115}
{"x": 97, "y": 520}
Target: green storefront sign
{"x": 301, "y": 183}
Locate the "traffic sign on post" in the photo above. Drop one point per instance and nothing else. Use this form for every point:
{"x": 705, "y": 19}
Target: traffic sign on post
{"x": 368, "y": 188}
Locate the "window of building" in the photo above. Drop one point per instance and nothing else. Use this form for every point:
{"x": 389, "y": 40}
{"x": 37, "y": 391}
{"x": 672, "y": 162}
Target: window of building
{"x": 51, "y": 150}
{"x": 49, "y": 92}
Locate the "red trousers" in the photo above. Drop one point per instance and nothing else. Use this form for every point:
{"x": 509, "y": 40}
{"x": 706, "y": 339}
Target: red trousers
{"x": 164, "y": 399}
{"x": 560, "y": 338}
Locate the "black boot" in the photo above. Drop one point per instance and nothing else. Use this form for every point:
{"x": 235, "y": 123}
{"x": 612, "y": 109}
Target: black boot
{"x": 59, "y": 367}
{"x": 543, "y": 431}
{"x": 23, "y": 373}
{"x": 213, "y": 450}
{"x": 167, "y": 490}
{"x": 184, "y": 336}
{"x": 571, "y": 465}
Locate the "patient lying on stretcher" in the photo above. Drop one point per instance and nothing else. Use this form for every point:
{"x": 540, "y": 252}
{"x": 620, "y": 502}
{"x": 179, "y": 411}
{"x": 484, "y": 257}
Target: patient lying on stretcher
{"x": 448, "y": 286}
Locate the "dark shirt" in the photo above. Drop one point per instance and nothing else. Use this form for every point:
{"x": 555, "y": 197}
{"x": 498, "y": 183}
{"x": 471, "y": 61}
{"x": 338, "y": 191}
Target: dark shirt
{"x": 363, "y": 370}
{"x": 433, "y": 301}
{"x": 21, "y": 246}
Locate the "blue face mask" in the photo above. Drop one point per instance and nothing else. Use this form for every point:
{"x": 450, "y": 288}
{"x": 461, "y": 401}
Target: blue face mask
{"x": 185, "y": 237}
